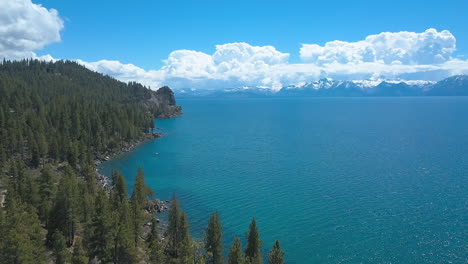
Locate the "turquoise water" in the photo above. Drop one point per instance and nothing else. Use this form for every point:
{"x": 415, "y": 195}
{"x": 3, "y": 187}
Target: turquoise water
{"x": 336, "y": 180}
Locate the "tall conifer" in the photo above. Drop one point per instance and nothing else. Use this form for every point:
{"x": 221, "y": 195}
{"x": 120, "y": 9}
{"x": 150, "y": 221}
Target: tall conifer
{"x": 252, "y": 249}
{"x": 214, "y": 243}
{"x": 276, "y": 255}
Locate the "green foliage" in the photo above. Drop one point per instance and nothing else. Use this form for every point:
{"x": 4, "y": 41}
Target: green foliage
{"x": 99, "y": 236}
{"x": 119, "y": 189}
{"x": 155, "y": 247}
{"x": 173, "y": 232}
{"x": 185, "y": 241}
{"x": 56, "y": 119}
{"x": 64, "y": 214}
{"x": 22, "y": 236}
{"x": 59, "y": 247}
{"x": 276, "y": 255}
{"x": 235, "y": 252}
{"x": 47, "y": 192}
{"x": 252, "y": 249}
{"x": 139, "y": 198}
{"x": 79, "y": 254}
{"x": 60, "y": 110}
{"x": 214, "y": 240}
{"x": 124, "y": 247}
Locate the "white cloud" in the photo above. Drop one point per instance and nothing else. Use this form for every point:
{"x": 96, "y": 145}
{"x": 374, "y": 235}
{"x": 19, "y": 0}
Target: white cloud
{"x": 26, "y": 27}
{"x": 395, "y": 56}
{"x": 231, "y": 65}
{"x": 397, "y": 48}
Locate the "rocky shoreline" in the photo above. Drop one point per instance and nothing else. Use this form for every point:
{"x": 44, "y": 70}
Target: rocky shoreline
{"x": 104, "y": 180}
{"x": 163, "y": 106}
{"x": 154, "y": 205}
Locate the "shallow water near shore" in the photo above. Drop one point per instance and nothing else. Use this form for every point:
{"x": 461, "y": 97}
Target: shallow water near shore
{"x": 336, "y": 180}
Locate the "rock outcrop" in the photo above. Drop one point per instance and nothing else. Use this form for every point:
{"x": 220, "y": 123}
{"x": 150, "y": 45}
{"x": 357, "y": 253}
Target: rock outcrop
{"x": 164, "y": 95}
{"x": 162, "y": 103}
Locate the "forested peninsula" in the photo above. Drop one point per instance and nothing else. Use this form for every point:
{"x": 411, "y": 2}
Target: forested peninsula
{"x": 57, "y": 120}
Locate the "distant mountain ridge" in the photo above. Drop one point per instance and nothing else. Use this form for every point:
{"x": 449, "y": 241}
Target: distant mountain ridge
{"x": 452, "y": 86}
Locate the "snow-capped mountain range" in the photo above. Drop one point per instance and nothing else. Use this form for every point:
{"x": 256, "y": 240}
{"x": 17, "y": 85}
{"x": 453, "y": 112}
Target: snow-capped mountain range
{"x": 455, "y": 85}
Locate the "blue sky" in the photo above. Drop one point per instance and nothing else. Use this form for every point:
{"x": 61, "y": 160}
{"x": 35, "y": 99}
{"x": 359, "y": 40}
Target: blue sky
{"x": 139, "y": 36}
{"x": 145, "y": 32}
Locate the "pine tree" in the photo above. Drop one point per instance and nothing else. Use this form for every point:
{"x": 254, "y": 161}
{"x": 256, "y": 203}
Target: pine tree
{"x": 276, "y": 255}
{"x": 140, "y": 190}
{"x": 99, "y": 235}
{"x": 119, "y": 189}
{"x": 140, "y": 193}
{"x": 35, "y": 155}
{"x": 90, "y": 179}
{"x": 185, "y": 243}
{"x": 79, "y": 254}
{"x": 47, "y": 192}
{"x": 86, "y": 202}
{"x": 252, "y": 249}
{"x": 73, "y": 154}
{"x": 3, "y": 156}
{"x": 59, "y": 247}
{"x": 214, "y": 243}
{"x": 21, "y": 233}
{"x": 41, "y": 144}
{"x": 173, "y": 228}
{"x": 53, "y": 149}
{"x": 124, "y": 248}
{"x": 235, "y": 252}
{"x": 155, "y": 249}
{"x": 64, "y": 215}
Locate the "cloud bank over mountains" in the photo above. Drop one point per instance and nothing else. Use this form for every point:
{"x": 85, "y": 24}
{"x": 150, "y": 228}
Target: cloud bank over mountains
{"x": 408, "y": 48}
{"x": 26, "y": 27}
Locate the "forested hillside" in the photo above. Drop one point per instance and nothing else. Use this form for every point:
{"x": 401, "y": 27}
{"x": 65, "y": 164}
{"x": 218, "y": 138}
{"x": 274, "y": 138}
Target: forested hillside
{"x": 56, "y": 119}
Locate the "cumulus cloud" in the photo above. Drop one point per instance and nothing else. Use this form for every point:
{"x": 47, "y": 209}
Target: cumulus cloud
{"x": 231, "y": 65}
{"x": 404, "y": 47}
{"x": 393, "y": 56}
{"x": 26, "y": 27}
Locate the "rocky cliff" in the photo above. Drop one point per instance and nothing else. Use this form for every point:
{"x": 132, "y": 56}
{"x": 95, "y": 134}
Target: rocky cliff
{"x": 162, "y": 103}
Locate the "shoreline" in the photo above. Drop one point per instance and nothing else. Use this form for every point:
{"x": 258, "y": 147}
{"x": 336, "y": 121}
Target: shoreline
{"x": 154, "y": 206}
{"x": 105, "y": 180}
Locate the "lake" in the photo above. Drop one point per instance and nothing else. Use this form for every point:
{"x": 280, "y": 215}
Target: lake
{"x": 336, "y": 180}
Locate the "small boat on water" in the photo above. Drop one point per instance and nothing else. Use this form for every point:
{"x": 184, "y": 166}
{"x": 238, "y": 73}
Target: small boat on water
{"x": 156, "y": 153}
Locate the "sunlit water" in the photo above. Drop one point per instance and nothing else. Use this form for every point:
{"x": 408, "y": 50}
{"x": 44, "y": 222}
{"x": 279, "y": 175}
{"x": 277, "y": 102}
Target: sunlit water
{"x": 336, "y": 180}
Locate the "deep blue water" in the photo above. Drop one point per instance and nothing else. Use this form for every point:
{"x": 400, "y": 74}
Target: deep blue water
{"x": 336, "y": 180}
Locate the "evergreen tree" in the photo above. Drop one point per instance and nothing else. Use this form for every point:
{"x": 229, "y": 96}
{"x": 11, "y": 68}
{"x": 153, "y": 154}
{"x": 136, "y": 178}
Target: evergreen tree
{"x": 119, "y": 189}
{"x": 86, "y": 202}
{"x": 90, "y": 178}
{"x": 139, "y": 198}
{"x": 99, "y": 238}
{"x": 53, "y": 149}
{"x": 252, "y": 249}
{"x": 186, "y": 253}
{"x": 79, "y": 254}
{"x": 140, "y": 190}
{"x": 47, "y": 192}
{"x": 3, "y": 155}
{"x": 276, "y": 255}
{"x": 35, "y": 155}
{"x": 235, "y": 252}
{"x": 59, "y": 247}
{"x": 173, "y": 228}
{"x": 124, "y": 248}
{"x": 21, "y": 233}
{"x": 214, "y": 243}
{"x": 155, "y": 249}
{"x": 64, "y": 215}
